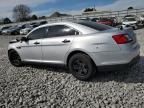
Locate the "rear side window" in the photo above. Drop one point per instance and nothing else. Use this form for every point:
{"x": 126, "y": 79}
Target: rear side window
{"x": 37, "y": 34}
{"x": 96, "y": 26}
{"x": 60, "y": 30}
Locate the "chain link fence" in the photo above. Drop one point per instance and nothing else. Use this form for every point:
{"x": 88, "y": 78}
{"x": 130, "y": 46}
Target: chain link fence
{"x": 118, "y": 14}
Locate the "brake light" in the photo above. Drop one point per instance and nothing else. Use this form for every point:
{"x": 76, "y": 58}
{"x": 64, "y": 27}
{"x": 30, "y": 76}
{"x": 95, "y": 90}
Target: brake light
{"x": 121, "y": 39}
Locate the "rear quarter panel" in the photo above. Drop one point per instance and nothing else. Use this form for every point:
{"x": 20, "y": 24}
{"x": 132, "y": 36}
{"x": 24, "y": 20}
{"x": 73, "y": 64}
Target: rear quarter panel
{"x": 98, "y": 42}
{"x": 93, "y": 43}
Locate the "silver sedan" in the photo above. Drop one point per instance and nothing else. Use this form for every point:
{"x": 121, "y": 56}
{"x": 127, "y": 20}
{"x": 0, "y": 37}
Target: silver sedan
{"x": 84, "y": 47}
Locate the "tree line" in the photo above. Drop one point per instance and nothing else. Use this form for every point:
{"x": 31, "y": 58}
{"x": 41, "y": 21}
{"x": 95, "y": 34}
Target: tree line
{"x": 21, "y": 13}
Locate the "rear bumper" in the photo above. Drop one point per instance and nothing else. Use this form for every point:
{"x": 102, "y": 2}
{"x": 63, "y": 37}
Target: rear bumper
{"x": 117, "y": 60}
{"x": 119, "y": 67}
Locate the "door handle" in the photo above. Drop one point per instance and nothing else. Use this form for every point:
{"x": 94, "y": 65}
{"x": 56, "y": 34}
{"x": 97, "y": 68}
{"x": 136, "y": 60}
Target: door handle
{"x": 36, "y": 43}
{"x": 66, "y": 41}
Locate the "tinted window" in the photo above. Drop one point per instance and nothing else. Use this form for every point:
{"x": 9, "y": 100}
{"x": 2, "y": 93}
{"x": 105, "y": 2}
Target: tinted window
{"x": 96, "y": 26}
{"x": 60, "y": 30}
{"x": 95, "y": 19}
{"x": 38, "y": 34}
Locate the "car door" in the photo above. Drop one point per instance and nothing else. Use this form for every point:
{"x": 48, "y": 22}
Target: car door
{"x": 31, "y": 49}
{"x": 57, "y": 43}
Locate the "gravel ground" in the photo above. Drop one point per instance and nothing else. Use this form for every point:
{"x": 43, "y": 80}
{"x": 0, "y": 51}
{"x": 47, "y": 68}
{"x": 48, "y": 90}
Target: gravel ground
{"x": 53, "y": 87}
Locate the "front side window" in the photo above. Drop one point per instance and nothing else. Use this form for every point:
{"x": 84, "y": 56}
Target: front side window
{"x": 37, "y": 34}
{"x": 60, "y": 30}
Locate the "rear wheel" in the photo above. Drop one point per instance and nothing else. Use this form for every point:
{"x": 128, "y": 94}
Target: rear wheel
{"x": 81, "y": 66}
{"x": 14, "y": 58}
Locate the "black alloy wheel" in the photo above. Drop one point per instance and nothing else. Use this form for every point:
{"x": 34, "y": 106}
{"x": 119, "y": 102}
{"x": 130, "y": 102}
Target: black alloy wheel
{"x": 81, "y": 66}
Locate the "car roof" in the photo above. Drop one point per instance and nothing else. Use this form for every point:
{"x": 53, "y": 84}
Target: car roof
{"x": 81, "y": 28}
{"x": 129, "y": 17}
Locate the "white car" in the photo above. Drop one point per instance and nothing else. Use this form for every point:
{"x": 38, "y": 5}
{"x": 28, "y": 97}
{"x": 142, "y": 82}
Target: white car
{"x": 26, "y": 30}
{"x": 130, "y": 22}
{"x": 142, "y": 19}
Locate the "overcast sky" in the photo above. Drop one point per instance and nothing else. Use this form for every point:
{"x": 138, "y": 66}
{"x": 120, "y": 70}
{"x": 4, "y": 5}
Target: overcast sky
{"x": 46, "y": 7}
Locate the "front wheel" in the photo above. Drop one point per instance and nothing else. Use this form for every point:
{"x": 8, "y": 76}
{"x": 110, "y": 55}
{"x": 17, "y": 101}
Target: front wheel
{"x": 81, "y": 66}
{"x": 14, "y": 58}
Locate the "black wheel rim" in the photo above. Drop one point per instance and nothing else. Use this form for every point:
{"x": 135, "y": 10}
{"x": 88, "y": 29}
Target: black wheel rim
{"x": 15, "y": 59}
{"x": 80, "y": 67}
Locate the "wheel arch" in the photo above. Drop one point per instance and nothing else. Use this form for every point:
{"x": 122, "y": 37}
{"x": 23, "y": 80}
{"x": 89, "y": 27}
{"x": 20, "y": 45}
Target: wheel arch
{"x": 76, "y": 52}
{"x": 13, "y": 50}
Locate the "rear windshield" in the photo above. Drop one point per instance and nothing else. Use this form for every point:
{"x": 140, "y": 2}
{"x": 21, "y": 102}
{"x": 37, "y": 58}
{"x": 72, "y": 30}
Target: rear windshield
{"x": 96, "y": 26}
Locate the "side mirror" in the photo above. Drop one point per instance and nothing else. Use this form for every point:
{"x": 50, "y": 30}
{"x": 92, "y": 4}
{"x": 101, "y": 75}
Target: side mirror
{"x": 24, "y": 39}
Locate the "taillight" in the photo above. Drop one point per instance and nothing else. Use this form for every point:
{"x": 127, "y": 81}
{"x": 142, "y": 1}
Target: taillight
{"x": 122, "y": 39}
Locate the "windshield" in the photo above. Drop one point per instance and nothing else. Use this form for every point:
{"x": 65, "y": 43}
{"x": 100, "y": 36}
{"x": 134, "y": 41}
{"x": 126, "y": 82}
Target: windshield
{"x": 28, "y": 26}
{"x": 96, "y": 26}
{"x": 129, "y": 19}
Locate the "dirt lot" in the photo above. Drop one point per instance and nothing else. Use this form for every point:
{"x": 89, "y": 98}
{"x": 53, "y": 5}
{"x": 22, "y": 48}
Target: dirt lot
{"x": 53, "y": 87}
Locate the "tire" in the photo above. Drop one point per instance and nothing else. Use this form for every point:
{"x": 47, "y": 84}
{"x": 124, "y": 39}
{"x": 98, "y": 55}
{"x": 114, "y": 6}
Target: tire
{"x": 16, "y": 33}
{"x": 14, "y": 58}
{"x": 135, "y": 27}
{"x": 81, "y": 66}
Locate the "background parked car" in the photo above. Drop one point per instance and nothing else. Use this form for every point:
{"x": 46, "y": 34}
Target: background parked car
{"x": 4, "y": 28}
{"x": 142, "y": 19}
{"x": 26, "y": 30}
{"x": 130, "y": 22}
{"x": 15, "y": 30}
{"x": 106, "y": 21}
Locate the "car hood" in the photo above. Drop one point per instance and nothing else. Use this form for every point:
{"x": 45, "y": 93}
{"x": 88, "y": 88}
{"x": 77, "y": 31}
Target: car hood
{"x": 14, "y": 41}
